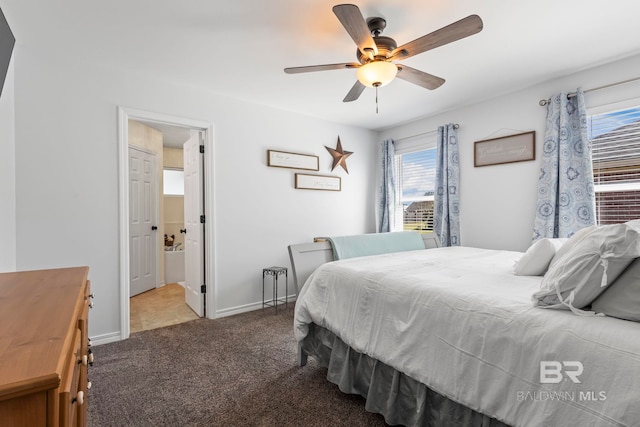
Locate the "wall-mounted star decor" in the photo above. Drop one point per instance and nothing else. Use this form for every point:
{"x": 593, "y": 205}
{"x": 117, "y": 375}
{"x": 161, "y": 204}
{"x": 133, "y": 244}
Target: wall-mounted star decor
{"x": 339, "y": 156}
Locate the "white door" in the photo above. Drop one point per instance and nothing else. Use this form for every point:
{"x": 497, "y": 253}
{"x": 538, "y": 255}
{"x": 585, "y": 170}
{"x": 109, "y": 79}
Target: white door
{"x": 143, "y": 243}
{"x": 194, "y": 238}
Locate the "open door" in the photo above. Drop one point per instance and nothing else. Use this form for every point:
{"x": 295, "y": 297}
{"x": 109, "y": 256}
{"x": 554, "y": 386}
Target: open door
{"x": 194, "y": 225}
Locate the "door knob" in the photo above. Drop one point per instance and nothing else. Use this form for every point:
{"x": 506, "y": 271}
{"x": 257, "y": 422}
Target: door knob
{"x": 183, "y": 230}
{"x": 79, "y": 398}
{"x": 153, "y": 227}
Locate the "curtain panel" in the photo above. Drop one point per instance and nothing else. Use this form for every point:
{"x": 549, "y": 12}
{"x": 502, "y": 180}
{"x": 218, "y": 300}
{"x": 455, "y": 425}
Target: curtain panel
{"x": 566, "y": 198}
{"x": 447, "y": 198}
{"x": 386, "y": 206}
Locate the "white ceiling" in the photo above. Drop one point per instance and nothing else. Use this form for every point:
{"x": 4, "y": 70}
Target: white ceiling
{"x": 239, "y": 48}
{"x": 172, "y": 136}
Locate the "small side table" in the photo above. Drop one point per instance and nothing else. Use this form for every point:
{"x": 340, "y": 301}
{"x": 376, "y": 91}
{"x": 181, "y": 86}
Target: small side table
{"x": 275, "y": 272}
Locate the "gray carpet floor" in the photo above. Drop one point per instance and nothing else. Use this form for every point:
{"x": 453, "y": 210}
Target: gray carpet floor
{"x": 234, "y": 371}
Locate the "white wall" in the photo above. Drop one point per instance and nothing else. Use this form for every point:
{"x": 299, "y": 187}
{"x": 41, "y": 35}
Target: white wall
{"x": 7, "y": 174}
{"x": 498, "y": 202}
{"x": 67, "y": 178}
{"x": 66, "y": 173}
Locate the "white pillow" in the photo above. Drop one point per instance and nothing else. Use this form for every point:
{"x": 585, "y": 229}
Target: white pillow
{"x": 573, "y": 240}
{"x": 622, "y": 298}
{"x": 579, "y": 276}
{"x": 536, "y": 259}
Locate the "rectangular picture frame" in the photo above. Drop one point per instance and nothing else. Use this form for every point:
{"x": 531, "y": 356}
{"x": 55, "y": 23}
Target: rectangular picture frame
{"x": 318, "y": 182}
{"x": 520, "y": 147}
{"x": 285, "y": 159}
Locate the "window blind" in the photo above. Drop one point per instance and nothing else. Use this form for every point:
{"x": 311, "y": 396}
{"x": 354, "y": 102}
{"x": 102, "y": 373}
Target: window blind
{"x": 415, "y": 143}
{"x": 615, "y": 142}
{"x": 415, "y": 167}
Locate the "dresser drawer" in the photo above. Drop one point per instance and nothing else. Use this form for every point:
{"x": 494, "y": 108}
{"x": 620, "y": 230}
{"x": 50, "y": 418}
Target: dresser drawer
{"x": 85, "y": 350}
{"x": 71, "y": 396}
{"x": 29, "y": 410}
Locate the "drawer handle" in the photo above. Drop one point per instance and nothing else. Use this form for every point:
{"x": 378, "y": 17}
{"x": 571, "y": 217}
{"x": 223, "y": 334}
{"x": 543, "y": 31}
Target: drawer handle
{"x": 89, "y": 385}
{"x": 84, "y": 360}
{"x": 91, "y": 304}
{"x": 91, "y": 357}
{"x": 79, "y": 398}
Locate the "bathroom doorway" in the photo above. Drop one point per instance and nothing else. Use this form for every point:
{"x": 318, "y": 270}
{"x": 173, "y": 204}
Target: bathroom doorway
{"x": 171, "y": 227}
{"x": 162, "y": 304}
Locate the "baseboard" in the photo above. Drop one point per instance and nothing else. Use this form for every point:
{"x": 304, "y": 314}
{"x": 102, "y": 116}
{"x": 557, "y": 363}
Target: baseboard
{"x": 106, "y": 338}
{"x": 116, "y": 336}
{"x": 239, "y": 309}
{"x": 248, "y": 307}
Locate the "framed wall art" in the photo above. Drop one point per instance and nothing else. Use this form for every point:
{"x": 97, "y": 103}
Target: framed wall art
{"x": 283, "y": 159}
{"x": 318, "y": 182}
{"x": 506, "y": 149}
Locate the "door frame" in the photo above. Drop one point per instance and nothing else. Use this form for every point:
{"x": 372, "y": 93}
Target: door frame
{"x": 124, "y": 114}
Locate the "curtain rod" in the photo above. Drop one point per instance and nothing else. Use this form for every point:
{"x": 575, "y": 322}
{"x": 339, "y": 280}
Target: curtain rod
{"x": 544, "y": 102}
{"x": 455, "y": 126}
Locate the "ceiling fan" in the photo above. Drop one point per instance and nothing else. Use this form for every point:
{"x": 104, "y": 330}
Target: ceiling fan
{"x": 376, "y": 53}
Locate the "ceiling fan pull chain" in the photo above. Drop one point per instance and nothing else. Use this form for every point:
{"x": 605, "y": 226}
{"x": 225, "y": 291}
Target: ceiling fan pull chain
{"x": 376, "y": 99}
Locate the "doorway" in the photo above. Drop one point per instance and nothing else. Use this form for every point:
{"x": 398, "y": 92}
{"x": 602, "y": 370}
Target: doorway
{"x": 171, "y": 126}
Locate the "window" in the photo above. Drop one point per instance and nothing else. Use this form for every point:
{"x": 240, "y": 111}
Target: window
{"x": 615, "y": 139}
{"x": 415, "y": 185}
{"x": 173, "y": 182}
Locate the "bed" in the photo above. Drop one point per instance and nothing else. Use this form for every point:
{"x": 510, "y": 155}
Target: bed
{"x": 451, "y": 336}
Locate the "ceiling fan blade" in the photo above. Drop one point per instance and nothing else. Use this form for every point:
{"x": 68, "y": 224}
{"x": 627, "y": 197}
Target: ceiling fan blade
{"x": 310, "y": 68}
{"x": 355, "y": 92}
{"x": 352, "y": 20}
{"x": 420, "y": 78}
{"x": 465, "y": 27}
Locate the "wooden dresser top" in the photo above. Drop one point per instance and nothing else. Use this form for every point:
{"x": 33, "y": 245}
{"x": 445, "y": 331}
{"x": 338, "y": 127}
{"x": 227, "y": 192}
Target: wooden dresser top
{"x": 38, "y": 317}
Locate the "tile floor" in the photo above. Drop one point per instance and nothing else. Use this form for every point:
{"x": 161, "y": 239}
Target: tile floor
{"x": 159, "y": 307}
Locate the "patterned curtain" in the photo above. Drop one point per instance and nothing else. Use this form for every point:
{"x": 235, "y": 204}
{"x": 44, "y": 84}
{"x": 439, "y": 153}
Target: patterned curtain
{"x": 566, "y": 200}
{"x": 386, "y": 189}
{"x": 447, "y": 199}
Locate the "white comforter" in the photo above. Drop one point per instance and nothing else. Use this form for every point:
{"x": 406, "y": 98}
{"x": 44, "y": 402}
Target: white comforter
{"x": 459, "y": 321}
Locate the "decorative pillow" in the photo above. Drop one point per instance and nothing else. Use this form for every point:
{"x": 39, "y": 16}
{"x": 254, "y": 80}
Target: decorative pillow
{"x": 573, "y": 240}
{"x": 536, "y": 259}
{"x": 579, "y": 276}
{"x": 622, "y": 298}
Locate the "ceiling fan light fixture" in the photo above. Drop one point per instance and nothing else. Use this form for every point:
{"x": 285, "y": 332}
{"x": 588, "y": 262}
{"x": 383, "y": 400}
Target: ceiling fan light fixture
{"x": 377, "y": 73}
{"x": 376, "y": 53}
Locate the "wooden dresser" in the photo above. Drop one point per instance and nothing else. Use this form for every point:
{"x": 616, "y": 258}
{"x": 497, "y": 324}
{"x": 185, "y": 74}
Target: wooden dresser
{"x": 44, "y": 347}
